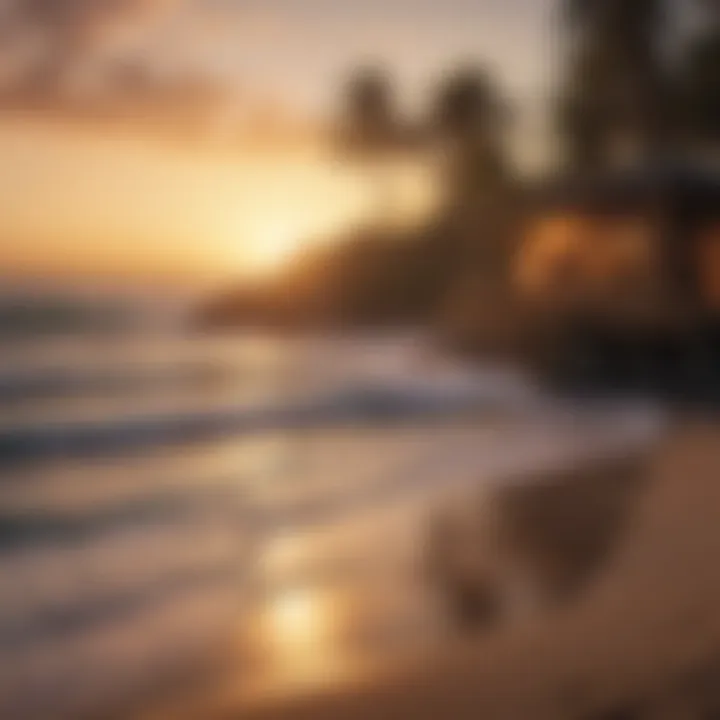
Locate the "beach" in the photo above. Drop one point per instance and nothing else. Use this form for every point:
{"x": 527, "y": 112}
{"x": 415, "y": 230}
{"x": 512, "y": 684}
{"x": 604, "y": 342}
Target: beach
{"x": 642, "y": 642}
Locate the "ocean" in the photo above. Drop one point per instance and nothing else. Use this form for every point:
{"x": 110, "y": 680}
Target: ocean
{"x": 161, "y": 494}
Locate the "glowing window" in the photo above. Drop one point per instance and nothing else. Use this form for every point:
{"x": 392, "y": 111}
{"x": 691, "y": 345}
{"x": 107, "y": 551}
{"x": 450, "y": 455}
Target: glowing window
{"x": 709, "y": 264}
{"x": 624, "y": 251}
{"x": 553, "y": 251}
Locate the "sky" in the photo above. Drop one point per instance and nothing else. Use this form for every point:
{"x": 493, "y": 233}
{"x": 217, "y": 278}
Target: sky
{"x": 298, "y": 48}
{"x": 304, "y": 47}
{"x": 80, "y": 204}
{"x": 76, "y": 197}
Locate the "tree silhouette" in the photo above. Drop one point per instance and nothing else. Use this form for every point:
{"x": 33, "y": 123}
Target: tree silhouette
{"x": 369, "y": 132}
{"x": 369, "y": 124}
{"x": 700, "y": 81}
{"x": 468, "y": 118}
{"x": 617, "y": 93}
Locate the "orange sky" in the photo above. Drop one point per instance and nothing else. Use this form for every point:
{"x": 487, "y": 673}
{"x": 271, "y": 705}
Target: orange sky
{"x": 74, "y": 202}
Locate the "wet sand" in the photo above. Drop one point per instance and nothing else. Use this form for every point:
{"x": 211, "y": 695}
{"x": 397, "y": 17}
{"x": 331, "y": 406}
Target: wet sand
{"x": 642, "y": 642}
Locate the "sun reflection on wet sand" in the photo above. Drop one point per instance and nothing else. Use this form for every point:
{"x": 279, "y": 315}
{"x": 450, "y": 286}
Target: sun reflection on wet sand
{"x": 298, "y": 639}
{"x": 319, "y": 620}
{"x": 298, "y": 624}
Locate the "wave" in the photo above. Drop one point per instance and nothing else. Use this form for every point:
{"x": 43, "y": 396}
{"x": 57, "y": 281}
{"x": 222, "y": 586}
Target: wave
{"x": 62, "y": 382}
{"x": 360, "y": 404}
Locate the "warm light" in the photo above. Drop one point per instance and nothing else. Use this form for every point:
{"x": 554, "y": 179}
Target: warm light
{"x": 297, "y": 620}
{"x": 273, "y": 247}
{"x": 588, "y": 256}
{"x": 319, "y": 203}
{"x": 299, "y": 634}
{"x": 708, "y": 266}
{"x": 114, "y": 204}
{"x": 551, "y": 244}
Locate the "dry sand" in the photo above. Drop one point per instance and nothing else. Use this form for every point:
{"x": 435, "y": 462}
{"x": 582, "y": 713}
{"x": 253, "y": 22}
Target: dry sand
{"x": 643, "y": 642}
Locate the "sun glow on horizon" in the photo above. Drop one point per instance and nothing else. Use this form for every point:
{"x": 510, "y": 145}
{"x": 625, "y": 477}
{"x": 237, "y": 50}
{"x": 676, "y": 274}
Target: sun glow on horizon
{"x": 107, "y": 205}
{"x": 315, "y": 201}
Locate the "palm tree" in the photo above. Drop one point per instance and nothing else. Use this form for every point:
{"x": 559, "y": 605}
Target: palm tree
{"x": 700, "y": 80}
{"x": 471, "y": 249}
{"x": 369, "y": 122}
{"x": 616, "y": 94}
{"x": 469, "y": 118}
{"x": 369, "y": 132}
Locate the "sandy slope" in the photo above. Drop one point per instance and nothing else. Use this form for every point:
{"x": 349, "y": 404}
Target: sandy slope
{"x": 644, "y": 642}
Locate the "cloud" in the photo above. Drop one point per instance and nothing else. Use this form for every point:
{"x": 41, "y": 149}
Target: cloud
{"x": 64, "y": 15}
{"x": 63, "y": 33}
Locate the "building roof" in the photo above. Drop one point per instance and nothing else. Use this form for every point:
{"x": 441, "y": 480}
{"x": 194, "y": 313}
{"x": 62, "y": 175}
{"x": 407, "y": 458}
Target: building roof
{"x": 694, "y": 187}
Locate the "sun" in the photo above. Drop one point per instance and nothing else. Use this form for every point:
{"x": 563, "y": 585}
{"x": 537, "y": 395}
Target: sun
{"x": 273, "y": 246}
{"x": 293, "y": 208}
